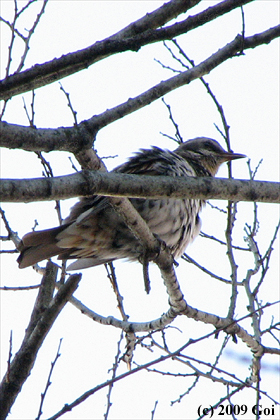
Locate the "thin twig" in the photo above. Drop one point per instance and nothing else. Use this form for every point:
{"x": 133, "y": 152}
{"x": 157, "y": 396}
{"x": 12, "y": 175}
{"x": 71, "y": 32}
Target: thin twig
{"x": 178, "y": 135}
{"x": 187, "y": 258}
{"x": 74, "y": 113}
{"x": 48, "y": 384}
{"x": 114, "y": 374}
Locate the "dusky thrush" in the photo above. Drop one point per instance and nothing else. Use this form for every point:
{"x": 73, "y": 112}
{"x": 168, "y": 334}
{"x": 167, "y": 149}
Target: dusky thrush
{"x": 95, "y": 234}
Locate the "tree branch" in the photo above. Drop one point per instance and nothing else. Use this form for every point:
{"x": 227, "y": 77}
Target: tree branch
{"x": 23, "y": 361}
{"x": 136, "y": 35}
{"x": 86, "y": 183}
{"x": 74, "y": 139}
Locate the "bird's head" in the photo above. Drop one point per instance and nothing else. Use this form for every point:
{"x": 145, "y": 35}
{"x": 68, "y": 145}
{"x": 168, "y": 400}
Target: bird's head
{"x": 206, "y": 152}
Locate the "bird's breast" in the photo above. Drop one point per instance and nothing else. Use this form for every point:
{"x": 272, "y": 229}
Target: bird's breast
{"x": 175, "y": 221}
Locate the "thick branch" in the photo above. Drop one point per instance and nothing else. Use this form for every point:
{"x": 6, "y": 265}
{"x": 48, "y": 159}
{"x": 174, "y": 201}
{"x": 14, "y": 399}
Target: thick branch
{"x": 43, "y": 74}
{"x": 88, "y": 183}
{"x": 157, "y": 18}
{"x": 71, "y": 139}
{"x": 74, "y": 139}
{"x": 23, "y": 361}
{"x": 141, "y": 32}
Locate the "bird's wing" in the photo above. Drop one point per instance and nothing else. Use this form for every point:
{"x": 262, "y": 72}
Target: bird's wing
{"x": 154, "y": 161}
{"x": 86, "y": 206}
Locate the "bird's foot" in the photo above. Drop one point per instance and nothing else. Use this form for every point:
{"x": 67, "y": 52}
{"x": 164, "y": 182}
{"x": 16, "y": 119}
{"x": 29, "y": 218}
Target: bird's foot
{"x": 147, "y": 257}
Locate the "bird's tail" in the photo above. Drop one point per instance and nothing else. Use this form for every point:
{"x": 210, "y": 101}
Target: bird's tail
{"x": 39, "y": 245}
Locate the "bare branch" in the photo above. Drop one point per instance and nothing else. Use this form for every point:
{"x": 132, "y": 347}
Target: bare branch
{"x": 187, "y": 258}
{"x": 178, "y": 135}
{"x": 74, "y": 113}
{"x": 186, "y": 361}
{"x": 48, "y": 384}
{"x": 19, "y": 288}
{"x": 232, "y": 210}
{"x": 209, "y": 90}
{"x": 271, "y": 350}
{"x": 130, "y": 336}
{"x": 87, "y": 394}
{"x": 114, "y": 374}
{"x": 12, "y": 236}
{"x": 74, "y": 139}
{"x": 88, "y": 183}
{"x": 213, "y": 238}
{"x": 31, "y": 31}
{"x": 126, "y": 326}
{"x": 24, "y": 360}
{"x": 111, "y": 274}
{"x": 127, "y": 39}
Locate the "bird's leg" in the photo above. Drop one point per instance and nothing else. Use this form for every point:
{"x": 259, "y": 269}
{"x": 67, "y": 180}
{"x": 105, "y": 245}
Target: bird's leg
{"x": 146, "y": 277}
{"x": 145, "y": 259}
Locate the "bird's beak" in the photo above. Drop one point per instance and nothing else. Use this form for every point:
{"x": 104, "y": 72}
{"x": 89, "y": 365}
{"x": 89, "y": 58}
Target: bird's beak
{"x": 232, "y": 156}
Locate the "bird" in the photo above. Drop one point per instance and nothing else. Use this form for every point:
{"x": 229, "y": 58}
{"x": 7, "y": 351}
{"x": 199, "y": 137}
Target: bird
{"x": 95, "y": 234}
